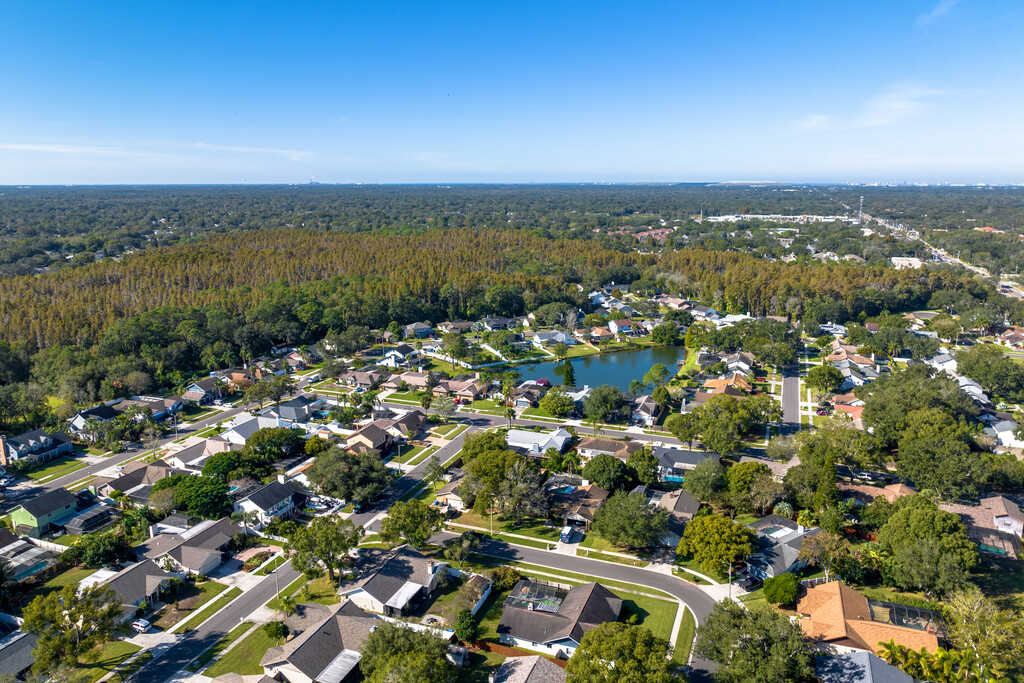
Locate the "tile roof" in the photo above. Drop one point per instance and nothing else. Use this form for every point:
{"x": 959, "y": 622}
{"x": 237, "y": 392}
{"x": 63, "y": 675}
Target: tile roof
{"x": 533, "y": 669}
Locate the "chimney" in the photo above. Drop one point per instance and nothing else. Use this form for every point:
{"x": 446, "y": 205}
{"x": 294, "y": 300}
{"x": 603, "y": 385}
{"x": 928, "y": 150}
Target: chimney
{"x": 529, "y": 606}
{"x": 152, "y": 530}
{"x": 282, "y": 478}
{"x": 430, "y": 566}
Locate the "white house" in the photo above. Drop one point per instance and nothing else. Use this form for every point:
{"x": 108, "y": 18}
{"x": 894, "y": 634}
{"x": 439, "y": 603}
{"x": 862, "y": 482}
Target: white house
{"x": 242, "y": 427}
{"x": 1004, "y": 432}
{"x": 274, "y": 501}
{"x": 943, "y": 362}
{"x": 553, "y": 337}
{"x": 536, "y": 443}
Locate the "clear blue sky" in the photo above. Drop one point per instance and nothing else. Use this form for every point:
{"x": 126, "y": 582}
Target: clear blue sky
{"x": 485, "y": 91}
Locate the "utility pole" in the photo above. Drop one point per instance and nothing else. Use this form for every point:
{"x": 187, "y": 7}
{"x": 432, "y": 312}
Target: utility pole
{"x": 861, "y": 216}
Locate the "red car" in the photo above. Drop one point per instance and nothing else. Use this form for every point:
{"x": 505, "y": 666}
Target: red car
{"x": 823, "y": 411}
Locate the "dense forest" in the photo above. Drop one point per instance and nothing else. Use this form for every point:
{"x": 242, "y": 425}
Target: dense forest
{"x": 293, "y": 265}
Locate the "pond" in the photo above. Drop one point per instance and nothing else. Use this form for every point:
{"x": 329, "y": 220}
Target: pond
{"x": 617, "y": 369}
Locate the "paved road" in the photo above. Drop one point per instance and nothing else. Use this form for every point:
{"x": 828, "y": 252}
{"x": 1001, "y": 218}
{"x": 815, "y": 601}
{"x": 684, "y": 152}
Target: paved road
{"x": 694, "y": 598}
{"x": 791, "y": 399}
{"x": 216, "y": 627}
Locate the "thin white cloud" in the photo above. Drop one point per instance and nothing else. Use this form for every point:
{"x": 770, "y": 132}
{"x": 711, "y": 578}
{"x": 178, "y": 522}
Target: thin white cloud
{"x": 294, "y": 155}
{"x": 937, "y": 12}
{"x": 152, "y": 150}
{"x": 898, "y": 103}
{"x": 68, "y": 150}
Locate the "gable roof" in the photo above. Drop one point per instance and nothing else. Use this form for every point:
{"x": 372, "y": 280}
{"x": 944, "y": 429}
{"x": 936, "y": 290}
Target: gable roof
{"x": 581, "y": 609}
{"x": 137, "y": 581}
{"x": 328, "y": 651}
{"x": 620, "y": 449}
{"x": 533, "y": 669}
{"x": 858, "y": 667}
{"x": 49, "y": 502}
{"x": 103, "y": 412}
{"x": 670, "y": 458}
{"x": 389, "y": 572}
{"x": 273, "y": 493}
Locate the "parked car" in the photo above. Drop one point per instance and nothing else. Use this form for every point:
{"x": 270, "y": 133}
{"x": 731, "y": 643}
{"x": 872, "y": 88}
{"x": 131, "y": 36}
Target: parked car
{"x": 822, "y": 411}
{"x": 141, "y": 625}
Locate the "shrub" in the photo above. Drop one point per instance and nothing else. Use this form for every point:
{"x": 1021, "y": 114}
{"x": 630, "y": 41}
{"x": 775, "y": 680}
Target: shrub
{"x": 505, "y": 577}
{"x": 275, "y": 629}
{"x": 782, "y": 589}
{"x": 466, "y": 628}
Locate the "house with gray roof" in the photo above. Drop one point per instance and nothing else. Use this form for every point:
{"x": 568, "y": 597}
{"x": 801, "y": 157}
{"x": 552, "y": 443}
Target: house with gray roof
{"x": 37, "y": 516}
{"x": 537, "y": 443}
{"x": 197, "y": 550}
{"x": 549, "y": 618}
{"x": 138, "y": 583}
{"x": 533, "y": 669}
{"x": 274, "y": 501}
{"x": 674, "y": 463}
{"x": 328, "y": 652}
{"x": 390, "y": 580}
{"x": 37, "y": 445}
{"x": 298, "y": 409}
{"x": 858, "y": 667}
{"x": 779, "y": 540}
{"x": 16, "y": 652}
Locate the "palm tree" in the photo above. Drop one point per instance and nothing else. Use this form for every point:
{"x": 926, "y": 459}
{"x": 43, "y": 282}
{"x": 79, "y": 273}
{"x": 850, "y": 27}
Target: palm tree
{"x": 209, "y": 358}
{"x": 510, "y": 415}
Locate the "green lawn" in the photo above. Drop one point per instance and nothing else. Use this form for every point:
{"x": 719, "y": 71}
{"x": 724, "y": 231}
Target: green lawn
{"x": 539, "y": 545}
{"x": 207, "y": 433}
{"x": 66, "y": 540}
{"x": 684, "y": 641}
{"x": 97, "y": 663}
{"x": 218, "y": 647}
{"x": 271, "y": 566}
{"x": 71, "y": 577}
{"x": 245, "y": 657}
{"x": 531, "y": 527}
{"x": 57, "y": 468}
{"x": 581, "y": 350}
{"x": 1005, "y": 587}
{"x": 200, "y": 415}
{"x": 211, "y": 609}
{"x": 487, "y": 404}
{"x": 321, "y": 591}
{"x": 655, "y": 614}
{"x": 539, "y": 414}
{"x": 445, "y": 429}
{"x": 128, "y": 670}
{"x": 482, "y": 563}
{"x": 690, "y": 563}
{"x": 190, "y": 599}
{"x": 595, "y": 542}
{"x": 593, "y": 554}
{"x": 480, "y": 665}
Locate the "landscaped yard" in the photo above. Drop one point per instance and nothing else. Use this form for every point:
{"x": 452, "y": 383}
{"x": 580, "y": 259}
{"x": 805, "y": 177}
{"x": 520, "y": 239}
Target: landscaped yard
{"x": 218, "y": 647}
{"x": 489, "y": 405}
{"x": 541, "y": 415}
{"x": 480, "y": 665}
{"x": 684, "y": 639}
{"x": 1003, "y": 586}
{"x": 420, "y": 456}
{"x": 245, "y": 657}
{"x": 190, "y": 598}
{"x": 57, "y": 468}
{"x": 321, "y": 591}
{"x": 100, "y": 661}
{"x": 531, "y": 528}
{"x": 655, "y": 614}
{"x": 71, "y": 577}
{"x": 445, "y": 429}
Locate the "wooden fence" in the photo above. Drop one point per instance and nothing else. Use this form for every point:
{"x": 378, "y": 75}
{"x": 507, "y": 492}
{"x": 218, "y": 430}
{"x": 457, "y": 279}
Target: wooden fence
{"x": 512, "y": 651}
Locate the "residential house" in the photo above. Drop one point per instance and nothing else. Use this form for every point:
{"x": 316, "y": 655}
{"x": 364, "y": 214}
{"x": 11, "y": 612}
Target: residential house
{"x": 242, "y": 427}
{"x": 391, "y": 580}
{"x": 274, "y": 501}
{"x": 198, "y": 550}
{"x": 576, "y": 504}
{"x": 459, "y": 326}
{"x": 36, "y": 516}
{"x": 779, "y": 540}
{"x": 528, "y": 395}
{"x": 590, "y": 447}
{"x": 399, "y": 356}
{"x": 159, "y": 408}
{"x": 600, "y": 334}
{"x": 741, "y": 362}
{"x": 736, "y": 380}
{"x": 79, "y": 424}
{"x": 136, "y": 584}
{"x": 644, "y": 410}
{"x": 551, "y": 619}
{"x": 858, "y": 667}
{"x": 974, "y": 390}
{"x": 620, "y": 326}
{"x": 537, "y": 443}
{"x": 492, "y": 324}
{"x": 25, "y": 559}
{"x": 533, "y": 669}
{"x": 238, "y": 379}
{"x": 369, "y": 438}
{"x": 34, "y": 446}
{"x": 552, "y": 337}
{"x": 992, "y": 524}
{"x": 16, "y": 652}
{"x": 449, "y": 495}
{"x": 416, "y": 381}
{"x": 674, "y": 463}
{"x": 417, "y": 331}
{"x": 837, "y": 615}
{"x": 136, "y": 480}
{"x": 263, "y": 368}
{"x": 681, "y": 506}
{"x": 1005, "y": 433}
{"x": 835, "y": 329}
{"x": 298, "y": 409}
{"x": 865, "y": 494}
{"x": 362, "y": 380}
{"x": 399, "y": 428}
{"x": 943, "y": 362}
{"x": 701, "y": 312}
{"x": 326, "y": 652}
{"x": 778, "y": 469}
{"x": 204, "y": 391}
{"x": 192, "y": 458}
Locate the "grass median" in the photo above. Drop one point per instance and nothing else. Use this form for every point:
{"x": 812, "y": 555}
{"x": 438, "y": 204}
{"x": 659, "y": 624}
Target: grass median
{"x": 202, "y": 660}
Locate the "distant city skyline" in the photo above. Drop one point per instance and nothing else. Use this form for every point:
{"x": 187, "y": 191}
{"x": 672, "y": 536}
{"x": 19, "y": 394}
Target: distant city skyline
{"x": 923, "y": 91}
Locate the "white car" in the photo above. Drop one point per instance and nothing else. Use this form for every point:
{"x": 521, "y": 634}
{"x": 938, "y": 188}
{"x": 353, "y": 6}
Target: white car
{"x": 141, "y": 625}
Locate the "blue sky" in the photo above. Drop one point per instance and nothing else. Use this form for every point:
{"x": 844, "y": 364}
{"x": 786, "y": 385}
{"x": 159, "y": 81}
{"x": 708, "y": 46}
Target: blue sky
{"x": 482, "y": 91}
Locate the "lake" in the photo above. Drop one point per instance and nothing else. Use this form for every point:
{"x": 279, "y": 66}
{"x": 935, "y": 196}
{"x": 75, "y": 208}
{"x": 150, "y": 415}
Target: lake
{"x": 618, "y": 369}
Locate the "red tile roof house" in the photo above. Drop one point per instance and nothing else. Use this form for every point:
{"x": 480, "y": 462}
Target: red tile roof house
{"x": 995, "y": 525}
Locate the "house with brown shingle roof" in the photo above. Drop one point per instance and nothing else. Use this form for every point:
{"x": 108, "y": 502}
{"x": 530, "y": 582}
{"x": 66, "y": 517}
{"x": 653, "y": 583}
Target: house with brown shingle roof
{"x": 836, "y": 614}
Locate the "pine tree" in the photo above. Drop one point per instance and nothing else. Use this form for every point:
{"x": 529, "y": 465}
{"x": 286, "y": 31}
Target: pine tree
{"x": 827, "y": 494}
{"x": 569, "y": 374}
